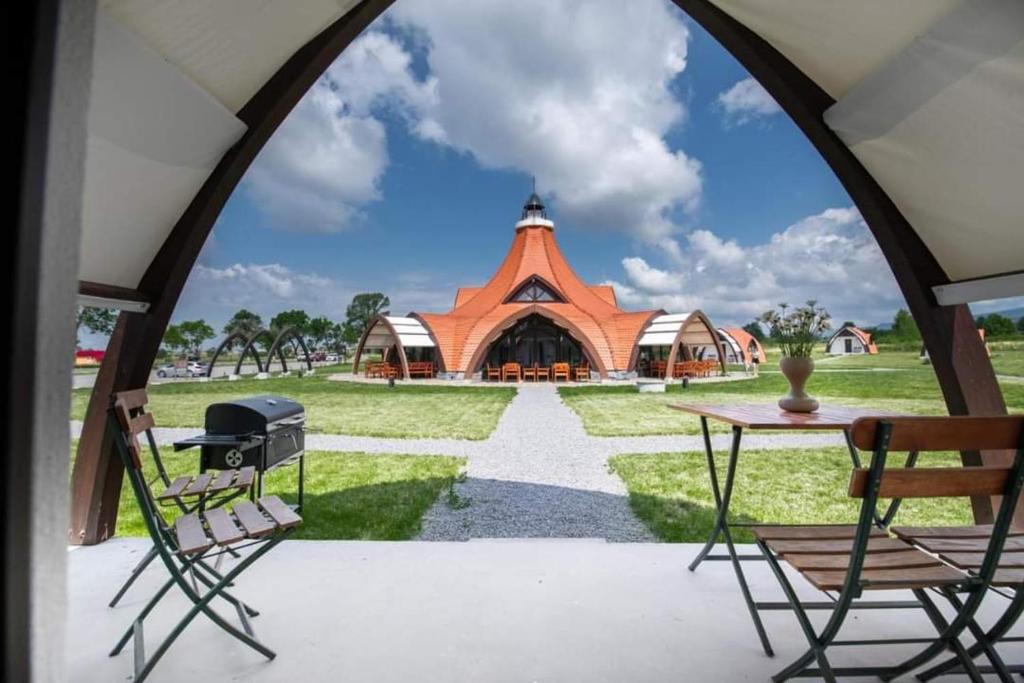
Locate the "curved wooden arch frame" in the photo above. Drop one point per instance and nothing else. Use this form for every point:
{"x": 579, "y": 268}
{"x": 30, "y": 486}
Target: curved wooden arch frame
{"x": 961, "y": 365}
{"x": 293, "y": 333}
{"x": 237, "y": 334}
{"x": 634, "y": 355}
{"x": 381, "y": 320}
{"x": 477, "y": 359}
{"x": 743, "y": 352}
{"x": 697, "y": 316}
{"x": 250, "y": 345}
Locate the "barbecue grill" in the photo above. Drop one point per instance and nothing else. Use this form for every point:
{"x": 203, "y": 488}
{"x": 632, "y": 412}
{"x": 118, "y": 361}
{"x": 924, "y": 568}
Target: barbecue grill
{"x": 264, "y": 432}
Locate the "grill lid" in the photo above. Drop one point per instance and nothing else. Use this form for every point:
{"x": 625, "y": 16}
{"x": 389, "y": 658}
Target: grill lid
{"x": 252, "y": 414}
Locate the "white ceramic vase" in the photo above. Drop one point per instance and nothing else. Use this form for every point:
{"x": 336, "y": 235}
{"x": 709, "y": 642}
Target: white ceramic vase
{"x": 797, "y": 370}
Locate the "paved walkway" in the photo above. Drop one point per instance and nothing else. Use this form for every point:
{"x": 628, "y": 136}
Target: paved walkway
{"x": 538, "y": 475}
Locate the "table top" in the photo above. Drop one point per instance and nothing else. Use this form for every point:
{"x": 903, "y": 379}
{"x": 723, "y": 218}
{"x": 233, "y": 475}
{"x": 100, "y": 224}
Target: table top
{"x": 771, "y": 416}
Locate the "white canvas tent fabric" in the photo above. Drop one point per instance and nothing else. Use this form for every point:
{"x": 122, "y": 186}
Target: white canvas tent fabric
{"x": 408, "y": 333}
{"x": 688, "y": 328}
{"x": 168, "y": 80}
{"x": 930, "y": 98}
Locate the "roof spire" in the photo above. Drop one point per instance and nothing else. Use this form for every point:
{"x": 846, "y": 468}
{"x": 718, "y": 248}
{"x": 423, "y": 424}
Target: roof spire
{"x": 533, "y": 210}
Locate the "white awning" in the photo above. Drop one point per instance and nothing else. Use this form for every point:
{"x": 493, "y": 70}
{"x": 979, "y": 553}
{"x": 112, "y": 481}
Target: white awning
{"x": 409, "y": 332}
{"x": 687, "y": 328}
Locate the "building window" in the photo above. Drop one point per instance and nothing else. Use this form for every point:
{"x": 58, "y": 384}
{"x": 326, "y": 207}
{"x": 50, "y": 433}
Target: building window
{"x": 534, "y": 290}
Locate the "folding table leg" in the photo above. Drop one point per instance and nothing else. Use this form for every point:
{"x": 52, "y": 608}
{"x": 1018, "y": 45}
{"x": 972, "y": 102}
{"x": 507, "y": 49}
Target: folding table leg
{"x": 721, "y": 503}
{"x": 721, "y": 527}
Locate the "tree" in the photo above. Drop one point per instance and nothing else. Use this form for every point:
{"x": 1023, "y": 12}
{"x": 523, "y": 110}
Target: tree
{"x": 174, "y": 340}
{"x": 96, "y": 320}
{"x": 364, "y": 308}
{"x": 244, "y": 321}
{"x": 195, "y": 332}
{"x": 904, "y": 327}
{"x": 319, "y": 330}
{"x": 1020, "y": 324}
{"x": 296, "y": 318}
{"x": 336, "y": 340}
{"x": 755, "y": 330}
{"x": 996, "y": 325}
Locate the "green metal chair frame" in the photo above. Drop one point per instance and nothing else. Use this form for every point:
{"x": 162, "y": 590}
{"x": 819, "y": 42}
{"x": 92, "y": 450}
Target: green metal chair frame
{"x": 201, "y": 503}
{"x": 126, "y": 409}
{"x": 975, "y": 585}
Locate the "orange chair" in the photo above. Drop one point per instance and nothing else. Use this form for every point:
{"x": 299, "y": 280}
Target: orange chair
{"x": 511, "y": 370}
{"x": 560, "y": 370}
{"x": 530, "y": 372}
{"x": 492, "y": 373}
{"x": 583, "y": 372}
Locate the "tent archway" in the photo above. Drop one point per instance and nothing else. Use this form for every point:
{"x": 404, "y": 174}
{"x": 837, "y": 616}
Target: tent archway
{"x": 964, "y": 372}
{"x": 678, "y": 330}
{"x": 293, "y": 333}
{"x": 477, "y": 359}
{"x": 237, "y": 335}
{"x": 386, "y": 332}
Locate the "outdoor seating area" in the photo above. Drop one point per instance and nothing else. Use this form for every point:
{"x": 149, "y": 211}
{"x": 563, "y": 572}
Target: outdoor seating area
{"x": 517, "y": 372}
{"x": 688, "y": 368}
{"x": 382, "y": 370}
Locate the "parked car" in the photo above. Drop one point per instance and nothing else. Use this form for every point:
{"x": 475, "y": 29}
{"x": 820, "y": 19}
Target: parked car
{"x": 331, "y": 358}
{"x": 171, "y": 370}
{"x": 196, "y": 369}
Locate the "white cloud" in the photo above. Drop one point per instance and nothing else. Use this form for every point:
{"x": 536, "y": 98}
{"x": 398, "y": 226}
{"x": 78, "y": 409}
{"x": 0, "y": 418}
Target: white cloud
{"x": 327, "y": 159}
{"x": 540, "y": 91}
{"x": 830, "y": 256}
{"x": 215, "y": 293}
{"x": 746, "y": 101}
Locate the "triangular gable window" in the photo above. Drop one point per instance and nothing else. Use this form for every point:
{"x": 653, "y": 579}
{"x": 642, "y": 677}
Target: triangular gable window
{"x": 535, "y": 290}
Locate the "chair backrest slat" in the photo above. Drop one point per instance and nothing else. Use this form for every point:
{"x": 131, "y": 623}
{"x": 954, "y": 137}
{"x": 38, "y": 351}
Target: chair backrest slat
{"x": 963, "y": 433}
{"x": 132, "y": 399}
{"x": 933, "y": 482}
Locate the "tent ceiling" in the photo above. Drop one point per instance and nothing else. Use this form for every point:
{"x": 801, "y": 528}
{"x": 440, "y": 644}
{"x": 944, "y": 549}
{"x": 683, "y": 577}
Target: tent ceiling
{"x": 230, "y": 48}
{"x": 409, "y": 331}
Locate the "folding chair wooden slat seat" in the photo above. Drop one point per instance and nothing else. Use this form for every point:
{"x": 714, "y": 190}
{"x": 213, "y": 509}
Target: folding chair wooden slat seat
{"x": 222, "y": 527}
{"x": 191, "y": 537}
{"x": 852, "y": 559}
{"x": 184, "y": 545}
{"x": 208, "y": 484}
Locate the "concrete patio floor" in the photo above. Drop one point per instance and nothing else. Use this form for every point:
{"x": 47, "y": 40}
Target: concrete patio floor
{"x": 484, "y": 610}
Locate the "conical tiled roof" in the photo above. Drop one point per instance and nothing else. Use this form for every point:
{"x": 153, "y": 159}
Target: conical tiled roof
{"x": 590, "y": 313}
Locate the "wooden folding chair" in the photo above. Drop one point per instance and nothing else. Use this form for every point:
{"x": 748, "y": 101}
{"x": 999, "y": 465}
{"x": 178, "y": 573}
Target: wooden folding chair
{"x": 192, "y": 538}
{"x": 189, "y": 494}
{"x": 851, "y": 559}
{"x": 583, "y": 372}
{"x": 560, "y": 370}
{"x": 493, "y": 373}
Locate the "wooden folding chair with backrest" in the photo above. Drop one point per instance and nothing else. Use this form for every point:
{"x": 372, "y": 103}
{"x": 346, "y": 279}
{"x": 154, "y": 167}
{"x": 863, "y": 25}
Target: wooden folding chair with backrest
{"x": 187, "y": 492}
{"x": 964, "y": 547}
{"x": 851, "y": 559}
{"x": 583, "y": 372}
{"x": 560, "y": 370}
{"x": 191, "y": 538}
{"x": 492, "y": 373}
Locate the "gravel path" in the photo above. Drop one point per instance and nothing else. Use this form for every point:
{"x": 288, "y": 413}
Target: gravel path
{"x": 538, "y": 475}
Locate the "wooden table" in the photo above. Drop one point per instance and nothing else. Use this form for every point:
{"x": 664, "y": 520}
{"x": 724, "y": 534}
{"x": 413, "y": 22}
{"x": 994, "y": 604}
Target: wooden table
{"x": 766, "y": 417}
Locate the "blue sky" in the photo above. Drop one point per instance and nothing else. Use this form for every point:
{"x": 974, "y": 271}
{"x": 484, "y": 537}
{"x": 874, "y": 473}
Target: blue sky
{"x": 668, "y": 172}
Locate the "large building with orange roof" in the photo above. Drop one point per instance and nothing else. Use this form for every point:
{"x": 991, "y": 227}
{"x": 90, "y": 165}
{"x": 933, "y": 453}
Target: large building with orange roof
{"x": 536, "y": 311}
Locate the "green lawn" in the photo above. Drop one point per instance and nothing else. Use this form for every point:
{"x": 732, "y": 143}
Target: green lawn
{"x": 348, "y": 495}
{"x": 406, "y": 411}
{"x": 910, "y": 388}
{"x": 671, "y": 492}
